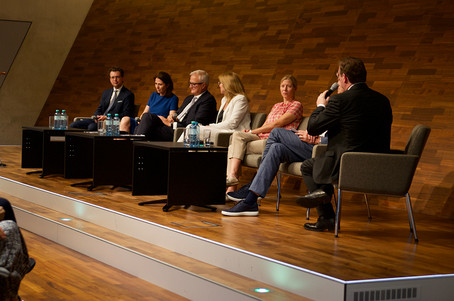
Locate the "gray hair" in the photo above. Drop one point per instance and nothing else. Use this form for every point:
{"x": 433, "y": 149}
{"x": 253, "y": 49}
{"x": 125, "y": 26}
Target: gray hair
{"x": 203, "y": 76}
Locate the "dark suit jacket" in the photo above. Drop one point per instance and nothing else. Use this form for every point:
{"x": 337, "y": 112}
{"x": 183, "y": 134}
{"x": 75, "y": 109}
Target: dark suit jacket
{"x": 203, "y": 111}
{"x": 123, "y": 106}
{"x": 357, "y": 120}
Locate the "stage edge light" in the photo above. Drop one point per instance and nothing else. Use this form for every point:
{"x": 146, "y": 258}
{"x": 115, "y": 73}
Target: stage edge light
{"x": 65, "y": 219}
{"x": 262, "y": 290}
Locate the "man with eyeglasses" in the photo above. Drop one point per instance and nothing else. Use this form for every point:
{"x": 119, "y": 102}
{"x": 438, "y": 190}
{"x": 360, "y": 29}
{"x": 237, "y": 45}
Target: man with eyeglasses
{"x": 200, "y": 106}
{"x": 116, "y": 100}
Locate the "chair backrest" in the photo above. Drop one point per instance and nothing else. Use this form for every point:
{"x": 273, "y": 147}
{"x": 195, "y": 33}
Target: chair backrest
{"x": 417, "y": 140}
{"x": 303, "y": 124}
{"x": 257, "y": 120}
{"x": 136, "y": 109}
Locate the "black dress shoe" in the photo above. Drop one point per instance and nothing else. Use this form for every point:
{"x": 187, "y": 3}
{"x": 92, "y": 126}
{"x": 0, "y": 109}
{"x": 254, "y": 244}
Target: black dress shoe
{"x": 314, "y": 199}
{"x": 322, "y": 224}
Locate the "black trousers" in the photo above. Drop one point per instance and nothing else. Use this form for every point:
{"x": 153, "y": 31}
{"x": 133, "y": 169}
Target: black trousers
{"x": 325, "y": 210}
{"x": 153, "y": 128}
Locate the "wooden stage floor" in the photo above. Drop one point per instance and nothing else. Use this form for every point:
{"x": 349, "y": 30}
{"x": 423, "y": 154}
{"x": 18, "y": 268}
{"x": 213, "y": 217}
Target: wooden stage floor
{"x": 382, "y": 248}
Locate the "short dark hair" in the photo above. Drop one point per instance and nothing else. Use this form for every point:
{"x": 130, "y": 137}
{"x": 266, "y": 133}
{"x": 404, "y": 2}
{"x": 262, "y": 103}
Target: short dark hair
{"x": 353, "y": 68}
{"x": 165, "y": 77}
{"x": 117, "y": 69}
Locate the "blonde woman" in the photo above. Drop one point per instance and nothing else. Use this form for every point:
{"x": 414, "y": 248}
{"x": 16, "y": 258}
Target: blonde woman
{"x": 233, "y": 114}
{"x": 286, "y": 114}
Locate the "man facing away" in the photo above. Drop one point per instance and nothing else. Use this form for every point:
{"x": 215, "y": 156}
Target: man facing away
{"x": 200, "y": 106}
{"x": 116, "y": 100}
{"x": 357, "y": 120}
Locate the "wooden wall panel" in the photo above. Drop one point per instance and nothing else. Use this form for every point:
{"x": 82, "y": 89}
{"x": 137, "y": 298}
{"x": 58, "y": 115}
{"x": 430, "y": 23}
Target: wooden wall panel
{"x": 408, "y": 48}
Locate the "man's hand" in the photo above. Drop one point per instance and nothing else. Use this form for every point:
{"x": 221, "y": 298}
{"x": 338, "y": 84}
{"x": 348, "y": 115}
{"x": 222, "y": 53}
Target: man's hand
{"x": 101, "y": 117}
{"x": 321, "y": 99}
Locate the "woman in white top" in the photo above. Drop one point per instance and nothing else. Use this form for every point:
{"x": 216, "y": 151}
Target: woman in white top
{"x": 233, "y": 113}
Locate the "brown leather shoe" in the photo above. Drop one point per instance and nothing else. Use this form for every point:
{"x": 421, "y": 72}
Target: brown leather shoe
{"x": 314, "y": 199}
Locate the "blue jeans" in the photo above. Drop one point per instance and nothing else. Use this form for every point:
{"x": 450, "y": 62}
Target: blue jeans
{"x": 282, "y": 146}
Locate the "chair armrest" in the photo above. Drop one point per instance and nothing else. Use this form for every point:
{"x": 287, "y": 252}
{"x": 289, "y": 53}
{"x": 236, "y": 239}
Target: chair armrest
{"x": 319, "y": 150}
{"x": 177, "y": 133}
{"x": 222, "y": 139}
{"x": 377, "y": 173}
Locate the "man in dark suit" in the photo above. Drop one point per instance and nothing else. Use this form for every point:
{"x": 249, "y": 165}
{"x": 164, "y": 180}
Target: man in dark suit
{"x": 200, "y": 106}
{"x": 357, "y": 120}
{"x": 117, "y": 100}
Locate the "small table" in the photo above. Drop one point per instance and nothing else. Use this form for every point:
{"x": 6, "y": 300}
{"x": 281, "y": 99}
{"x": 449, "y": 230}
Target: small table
{"x": 188, "y": 176}
{"x": 106, "y": 159}
{"x": 43, "y": 147}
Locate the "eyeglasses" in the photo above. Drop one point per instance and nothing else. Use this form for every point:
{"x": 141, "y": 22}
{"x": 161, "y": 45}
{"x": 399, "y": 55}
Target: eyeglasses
{"x": 194, "y": 84}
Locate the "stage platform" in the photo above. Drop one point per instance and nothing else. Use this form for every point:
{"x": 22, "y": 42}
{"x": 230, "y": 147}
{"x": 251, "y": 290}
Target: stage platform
{"x": 202, "y": 255}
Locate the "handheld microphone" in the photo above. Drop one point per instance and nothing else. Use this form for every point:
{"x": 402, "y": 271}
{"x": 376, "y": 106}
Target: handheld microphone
{"x": 331, "y": 89}
{"x": 174, "y": 116}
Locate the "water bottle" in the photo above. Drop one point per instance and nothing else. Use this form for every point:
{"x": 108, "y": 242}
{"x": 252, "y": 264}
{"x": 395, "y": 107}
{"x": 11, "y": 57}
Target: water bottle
{"x": 57, "y": 120}
{"x": 63, "y": 120}
{"x": 108, "y": 124}
{"x": 194, "y": 133}
{"x": 116, "y": 126}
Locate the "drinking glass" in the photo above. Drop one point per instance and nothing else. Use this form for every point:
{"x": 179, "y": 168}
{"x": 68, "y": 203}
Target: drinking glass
{"x": 101, "y": 128}
{"x": 206, "y": 134}
{"x": 51, "y": 122}
{"x": 186, "y": 137}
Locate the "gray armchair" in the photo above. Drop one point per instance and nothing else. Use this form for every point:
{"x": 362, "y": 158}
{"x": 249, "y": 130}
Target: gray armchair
{"x": 385, "y": 174}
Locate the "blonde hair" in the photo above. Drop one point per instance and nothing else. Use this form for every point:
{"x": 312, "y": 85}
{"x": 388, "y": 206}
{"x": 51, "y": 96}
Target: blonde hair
{"x": 290, "y": 78}
{"x": 232, "y": 85}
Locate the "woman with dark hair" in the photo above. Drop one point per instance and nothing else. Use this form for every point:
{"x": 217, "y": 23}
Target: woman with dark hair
{"x": 14, "y": 260}
{"x": 162, "y": 102}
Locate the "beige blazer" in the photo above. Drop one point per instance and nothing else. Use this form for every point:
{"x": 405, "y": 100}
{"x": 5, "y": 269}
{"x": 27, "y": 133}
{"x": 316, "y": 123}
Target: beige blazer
{"x": 236, "y": 115}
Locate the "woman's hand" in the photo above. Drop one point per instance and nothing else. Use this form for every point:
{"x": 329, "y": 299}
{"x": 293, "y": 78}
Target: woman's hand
{"x": 165, "y": 121}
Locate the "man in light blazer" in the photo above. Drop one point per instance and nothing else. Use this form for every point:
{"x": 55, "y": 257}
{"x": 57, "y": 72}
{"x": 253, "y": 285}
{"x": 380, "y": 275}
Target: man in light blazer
{"x": 357, "y": 120}
{"x": 200, "y": 106}
{"x": 117, "y": 100}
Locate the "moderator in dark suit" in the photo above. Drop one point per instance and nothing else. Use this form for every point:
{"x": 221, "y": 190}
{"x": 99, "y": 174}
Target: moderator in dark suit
{"x": 123, "y": 106}
{"x": 357, "y": 120}
{"x": 203, "y": 111}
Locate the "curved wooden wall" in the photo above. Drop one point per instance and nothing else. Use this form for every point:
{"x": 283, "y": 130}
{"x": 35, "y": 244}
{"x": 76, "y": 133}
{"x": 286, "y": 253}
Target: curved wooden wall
{"x": 408, "y": 48}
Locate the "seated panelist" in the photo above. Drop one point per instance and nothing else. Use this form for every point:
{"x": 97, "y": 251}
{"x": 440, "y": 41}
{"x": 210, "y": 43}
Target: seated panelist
{"x": 162, "y": 102}
{"x": 286, "y": 114}
{"x": 116, "y": 100}
{"x": 233, "y": 113}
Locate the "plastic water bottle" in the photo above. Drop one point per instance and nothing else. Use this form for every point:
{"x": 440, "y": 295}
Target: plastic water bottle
{"x": 108, "y": 124}
{"x": 63, "y": 120}
{"x": 116, "y": 126}
{"x": 194, "y": 134}
{"x": 57, "y": 120}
